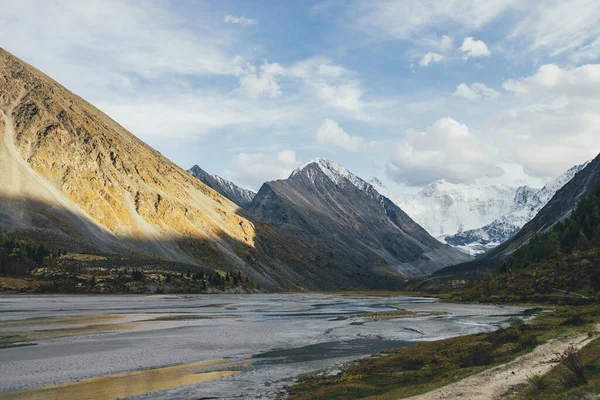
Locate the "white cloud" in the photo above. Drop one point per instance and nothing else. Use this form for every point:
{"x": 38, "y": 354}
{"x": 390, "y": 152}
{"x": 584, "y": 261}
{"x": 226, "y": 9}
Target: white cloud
{"x": 331, "y": 83}
{"x": 476, "y": 91}
{"x": 409, "y": 18}
{"x": 230, "y": 19}
{"x": 256, "y": 84}
{"x": 583, "y": 81}
{"x": 194, "y": 114}
{"x": 446, "y": 150}
{"x": 474, "y": 48}
{"x": 430, "y": 58}
{"x": 103, "y": 47}
{"x": 445, "y": 43}
{"x": 331, "y": 133}
{"x": 558, "y": 27}
{"x": 253, "y": 169}
{"x": 557, "y": 124}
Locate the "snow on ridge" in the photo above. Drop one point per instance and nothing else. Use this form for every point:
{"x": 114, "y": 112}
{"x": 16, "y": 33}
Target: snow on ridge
{"x": 527, "y": 203}
{"x": 334, "y": 171}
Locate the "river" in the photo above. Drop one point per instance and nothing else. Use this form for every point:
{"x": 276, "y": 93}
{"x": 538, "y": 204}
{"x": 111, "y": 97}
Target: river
{"x": 209, "y": 346}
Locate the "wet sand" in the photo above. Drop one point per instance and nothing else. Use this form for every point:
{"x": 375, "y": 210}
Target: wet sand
{"x": 124, "y": 385}
{"x": 165, "y": 347}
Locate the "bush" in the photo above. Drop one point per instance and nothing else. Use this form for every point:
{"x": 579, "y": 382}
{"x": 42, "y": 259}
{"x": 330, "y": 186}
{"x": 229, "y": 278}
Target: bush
{"x": 575, "y": 320}
{"x": 528, "y": 342}
{"x": 503, "y": 336}
{"x": 536, "y": 382}
{"x": 574, "y": 374}
{"x": 480, "y": 354}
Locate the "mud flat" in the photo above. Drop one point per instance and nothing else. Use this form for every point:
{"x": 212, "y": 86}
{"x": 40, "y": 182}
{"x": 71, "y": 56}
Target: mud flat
{"x": 157, "y": 347}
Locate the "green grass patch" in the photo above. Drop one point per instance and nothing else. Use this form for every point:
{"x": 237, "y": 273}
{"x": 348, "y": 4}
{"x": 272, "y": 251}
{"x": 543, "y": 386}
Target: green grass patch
{"x": 560, "y": 382}
{"x": 426, "y": 366}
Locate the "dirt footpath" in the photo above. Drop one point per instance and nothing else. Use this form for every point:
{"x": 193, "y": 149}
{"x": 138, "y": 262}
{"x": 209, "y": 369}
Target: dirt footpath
{"x": 500, "y": 381}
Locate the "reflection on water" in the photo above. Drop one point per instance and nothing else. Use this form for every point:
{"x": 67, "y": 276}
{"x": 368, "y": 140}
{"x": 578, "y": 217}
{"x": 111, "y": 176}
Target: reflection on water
{"x": 84, "y": 344}
{"x": 124, "y": 385}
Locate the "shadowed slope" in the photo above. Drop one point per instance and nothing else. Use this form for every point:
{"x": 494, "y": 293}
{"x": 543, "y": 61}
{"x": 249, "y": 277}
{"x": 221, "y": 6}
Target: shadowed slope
{"x": 79, "y": 177}
{"x": 361, "y": 230}
{"x": 558, "y": 209}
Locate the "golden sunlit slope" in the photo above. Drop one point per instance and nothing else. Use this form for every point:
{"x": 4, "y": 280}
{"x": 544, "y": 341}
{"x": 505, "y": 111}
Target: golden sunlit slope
{"x": 65, "y": 164}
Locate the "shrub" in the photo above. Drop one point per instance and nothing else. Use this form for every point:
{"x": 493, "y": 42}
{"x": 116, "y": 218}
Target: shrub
{"x": 528, "y": 342}
{"x": 480, "y": 354}
{"x": 574, "y": 374}
{"x": 536, "y": 382}
{"x": 575, "y": 320}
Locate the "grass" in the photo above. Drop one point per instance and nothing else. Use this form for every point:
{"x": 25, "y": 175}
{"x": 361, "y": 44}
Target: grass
{"x": 426, "y": 366}
{"x": 559, "y": 382}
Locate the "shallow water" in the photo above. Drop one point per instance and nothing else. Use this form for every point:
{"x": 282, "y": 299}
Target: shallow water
{"x": 270, "y": 339}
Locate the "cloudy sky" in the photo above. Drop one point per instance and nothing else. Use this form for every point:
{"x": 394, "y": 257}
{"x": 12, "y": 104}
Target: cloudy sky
{"x": 410, "y": 91}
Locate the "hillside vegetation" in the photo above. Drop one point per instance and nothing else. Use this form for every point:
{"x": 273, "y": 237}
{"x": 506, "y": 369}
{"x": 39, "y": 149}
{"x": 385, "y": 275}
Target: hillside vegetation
{"x": 560, "y": 265}
{"x": 27, "y": 266}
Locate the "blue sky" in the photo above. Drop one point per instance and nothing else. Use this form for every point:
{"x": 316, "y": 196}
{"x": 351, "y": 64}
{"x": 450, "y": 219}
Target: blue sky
{"x": 474, "y": 92}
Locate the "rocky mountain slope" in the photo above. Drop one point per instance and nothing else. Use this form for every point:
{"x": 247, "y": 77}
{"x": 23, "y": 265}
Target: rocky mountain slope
{"x": 557, "y": 209}
{"x": 324, "y": 204}
{"x": 526, "y": 204}
{"x": 240, "y": 196}
{"x": 75, "y": 179}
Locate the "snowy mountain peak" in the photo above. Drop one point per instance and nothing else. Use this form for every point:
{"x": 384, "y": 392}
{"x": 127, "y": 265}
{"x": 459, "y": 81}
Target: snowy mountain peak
{"x": 233, "y": 192}
{"x": 334, "y": 171}
{"x": 377, "y": 184}
{"x": 527, "y": 203}
{"x": 198, "y": 172}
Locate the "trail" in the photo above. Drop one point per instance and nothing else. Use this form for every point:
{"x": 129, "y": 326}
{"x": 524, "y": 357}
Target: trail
{"x": 500, "y": 381}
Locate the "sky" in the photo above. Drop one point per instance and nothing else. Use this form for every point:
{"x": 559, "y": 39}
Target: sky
{"x": 409, "y": 91}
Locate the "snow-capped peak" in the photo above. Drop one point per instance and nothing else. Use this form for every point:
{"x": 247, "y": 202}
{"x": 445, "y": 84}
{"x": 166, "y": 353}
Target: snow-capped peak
{"x": 334, "y": 171}
{"x": 377, "y": 184}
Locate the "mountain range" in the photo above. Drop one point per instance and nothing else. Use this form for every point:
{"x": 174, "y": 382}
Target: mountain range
{"x": 557, "y": 209}
{"x": 476, "y": 219}
{"x": 323, "y": 201}
{"x": 240, "y": 196}
{"x": 75, "y": 179}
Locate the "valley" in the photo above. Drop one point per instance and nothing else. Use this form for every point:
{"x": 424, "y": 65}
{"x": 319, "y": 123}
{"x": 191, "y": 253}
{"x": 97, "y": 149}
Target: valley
{"x": 320, "y": 200}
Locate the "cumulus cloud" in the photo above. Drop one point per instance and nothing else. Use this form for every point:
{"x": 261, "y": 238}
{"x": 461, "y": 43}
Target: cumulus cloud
{"x": 253, "y": 169}
{"x": 331, "y": 133}
{"x": 256, "y": 83}
{"x": 474, "y": 48}
{"x": 557, "y": 124}
{"x": 430, "y": 58}
{"x": 476, "y": 91}
{"x": 445, "y": 43}
{"x": 331, "y": 83}
{"x": 241, "y": 20}
{"x": 583, "y": 81}
{"x": 447, "y": 149}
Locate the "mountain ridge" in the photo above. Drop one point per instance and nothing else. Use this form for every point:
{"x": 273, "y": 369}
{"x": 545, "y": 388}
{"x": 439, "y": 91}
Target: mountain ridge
{"x": 557, "y": 209}
{"x": 325, "y": 200}
{"x": 240, "y": 196}
{"x": 526, "y": 204}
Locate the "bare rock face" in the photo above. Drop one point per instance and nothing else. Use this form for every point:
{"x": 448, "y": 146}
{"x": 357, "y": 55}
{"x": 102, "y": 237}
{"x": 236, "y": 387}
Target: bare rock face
{"x": 240, "y": 196}
{"x": 361, "y": 230}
